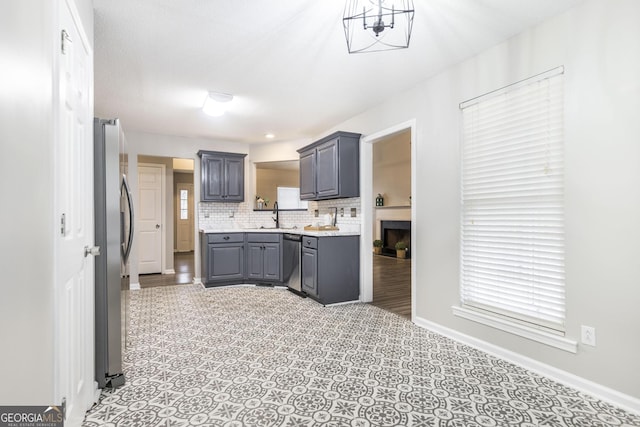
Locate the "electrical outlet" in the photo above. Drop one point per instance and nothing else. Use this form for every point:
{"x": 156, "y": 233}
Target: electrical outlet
{"x": 354, "y": 212}
{"x": 588, "y": 335}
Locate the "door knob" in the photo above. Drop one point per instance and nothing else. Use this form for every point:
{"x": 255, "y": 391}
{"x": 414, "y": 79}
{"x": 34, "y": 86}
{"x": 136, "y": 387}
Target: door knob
{"x": 157, "y": 226}
{"x": 94, "y": 250}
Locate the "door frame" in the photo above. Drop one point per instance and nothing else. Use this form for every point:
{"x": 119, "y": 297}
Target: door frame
{"x": 163, "y": 215}
{"x": 89, "y": 393}
{"x": 368, "y": 209}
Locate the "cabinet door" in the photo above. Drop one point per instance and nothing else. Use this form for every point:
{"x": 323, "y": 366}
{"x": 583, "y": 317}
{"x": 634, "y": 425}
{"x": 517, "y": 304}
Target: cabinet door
{"x": 226, "y": 262}
{"x": 310, "y": 271}
{"x": 327, "y": 170}
{"x": 255, "y": 261}
{"x": 271, "y": 264}
{"x": 212, "y": 174}
{"x": 308, "y": 175}
{"x": 234, "y": 179}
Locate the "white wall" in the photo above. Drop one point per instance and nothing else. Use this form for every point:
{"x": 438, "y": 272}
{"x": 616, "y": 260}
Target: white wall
{"x": 26, "y": 125}
{"x": 598, "y": 42}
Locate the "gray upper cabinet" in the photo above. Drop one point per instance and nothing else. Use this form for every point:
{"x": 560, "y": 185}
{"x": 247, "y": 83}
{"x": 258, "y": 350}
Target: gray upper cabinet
{"x": 328, "y": 173}
{"x": 330, "y": 167}
{"x": 222, "y": 176}
{"x": 308, "y": 175}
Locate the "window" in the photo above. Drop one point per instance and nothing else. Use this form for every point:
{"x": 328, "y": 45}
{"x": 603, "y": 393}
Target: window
{"x": 512, "y": 231}
{"x": 184, "y": 204}
{"x": 289, "y": 198}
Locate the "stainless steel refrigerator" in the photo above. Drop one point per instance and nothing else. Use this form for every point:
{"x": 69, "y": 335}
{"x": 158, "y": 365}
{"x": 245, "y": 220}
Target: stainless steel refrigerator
{"x": 113, "y": 234}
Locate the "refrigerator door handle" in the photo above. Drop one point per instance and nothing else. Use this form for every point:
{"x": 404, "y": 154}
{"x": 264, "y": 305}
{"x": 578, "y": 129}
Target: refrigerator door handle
{"x": 127, "y": 250}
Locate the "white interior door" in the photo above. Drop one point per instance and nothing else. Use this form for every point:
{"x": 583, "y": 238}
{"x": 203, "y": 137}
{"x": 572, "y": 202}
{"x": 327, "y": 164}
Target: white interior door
{"x": 184, "y": 217}
{"x": 150, "y": 221}
{"x": 74, "y": 271}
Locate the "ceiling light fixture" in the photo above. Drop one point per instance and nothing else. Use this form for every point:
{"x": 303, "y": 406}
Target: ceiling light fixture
{"x": 216, "y": 103}
{"x": 374, "y": 17}
{"x": 269, "y": 135}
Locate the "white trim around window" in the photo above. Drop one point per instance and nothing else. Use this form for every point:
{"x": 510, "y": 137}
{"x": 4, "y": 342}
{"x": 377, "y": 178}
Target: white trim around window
{"x": 512, "y": 214}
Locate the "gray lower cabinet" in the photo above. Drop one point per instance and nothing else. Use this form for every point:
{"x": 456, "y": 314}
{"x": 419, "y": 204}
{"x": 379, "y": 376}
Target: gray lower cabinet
{"x": 309, "y": 271}
{"x": 223, "y": 258}
{"x": 331, "y": 268}
{"x": 264, "y": 257}
{"x": 330, "y": 167}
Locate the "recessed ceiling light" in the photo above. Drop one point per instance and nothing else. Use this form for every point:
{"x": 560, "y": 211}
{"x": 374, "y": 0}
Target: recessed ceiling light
{"x": 269, "y": 135}
{"x": 216, "y": 103}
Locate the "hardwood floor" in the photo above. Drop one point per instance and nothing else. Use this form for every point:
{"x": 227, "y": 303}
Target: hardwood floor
{"x": 182, "y": 264}
{"x": 392, "y": 284}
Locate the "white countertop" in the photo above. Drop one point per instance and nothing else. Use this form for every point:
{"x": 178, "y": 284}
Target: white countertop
{"x": 347, "y": 231}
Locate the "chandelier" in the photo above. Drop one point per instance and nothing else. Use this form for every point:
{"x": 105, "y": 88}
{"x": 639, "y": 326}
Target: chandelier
{"x": 375, "y": 25}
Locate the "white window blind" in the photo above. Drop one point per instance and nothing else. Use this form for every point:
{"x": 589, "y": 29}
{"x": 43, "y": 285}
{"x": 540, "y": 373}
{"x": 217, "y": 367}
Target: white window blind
{"x": 512, "y": 251}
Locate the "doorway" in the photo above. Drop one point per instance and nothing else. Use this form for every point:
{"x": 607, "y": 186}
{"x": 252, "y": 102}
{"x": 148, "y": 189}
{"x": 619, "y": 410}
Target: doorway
{"x": 72, "y": 295}
{"x": 151, "y": 217}
{"x": 176, "y": 242}
{"x": 388, "y": 169}
{"x": 392, "y": 222}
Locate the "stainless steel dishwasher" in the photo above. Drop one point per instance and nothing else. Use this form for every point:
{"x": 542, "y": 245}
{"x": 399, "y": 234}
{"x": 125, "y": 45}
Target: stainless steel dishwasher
{"x": 291, "y": 262}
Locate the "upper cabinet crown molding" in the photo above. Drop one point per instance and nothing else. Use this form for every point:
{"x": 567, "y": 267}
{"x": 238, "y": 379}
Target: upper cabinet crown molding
{"x": 222, "y": 176}
{"x": 330, "y": 167}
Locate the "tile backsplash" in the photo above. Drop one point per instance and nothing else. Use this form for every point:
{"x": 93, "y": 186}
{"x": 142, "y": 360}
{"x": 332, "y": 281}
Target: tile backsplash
{"x": 241, "y": 215}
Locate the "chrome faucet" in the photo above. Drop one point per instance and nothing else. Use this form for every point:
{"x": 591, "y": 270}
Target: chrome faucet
{"x": 277, "y": 212}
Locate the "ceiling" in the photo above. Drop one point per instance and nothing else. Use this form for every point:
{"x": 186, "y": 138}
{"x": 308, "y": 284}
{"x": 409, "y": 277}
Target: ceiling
{"x": 285, "y": 61}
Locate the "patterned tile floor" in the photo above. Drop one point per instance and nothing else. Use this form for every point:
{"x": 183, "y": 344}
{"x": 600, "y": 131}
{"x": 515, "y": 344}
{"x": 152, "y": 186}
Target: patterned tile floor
{"x": 255, "y": 356}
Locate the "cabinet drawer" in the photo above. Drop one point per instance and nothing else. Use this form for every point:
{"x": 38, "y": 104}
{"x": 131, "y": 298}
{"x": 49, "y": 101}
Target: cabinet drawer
{"x": 225, "y": 237}
{"x": 310, "y": 242}
{"x": 263, "y": 237}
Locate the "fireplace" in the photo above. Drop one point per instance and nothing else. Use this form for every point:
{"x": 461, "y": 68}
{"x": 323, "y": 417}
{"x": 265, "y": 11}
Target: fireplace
{"x": 392, "y": 232}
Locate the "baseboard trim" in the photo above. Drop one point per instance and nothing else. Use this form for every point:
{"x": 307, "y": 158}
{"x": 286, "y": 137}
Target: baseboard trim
{"x": 134, "y": 286}
{"x": 599, "y": 391}
{"x": 96, "y": 393}
{"x": 197, "y": 281}
{"x": 169, "y": 271}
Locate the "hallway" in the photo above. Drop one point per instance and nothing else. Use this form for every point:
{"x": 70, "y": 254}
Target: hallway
{"x": 184, "y": 266}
